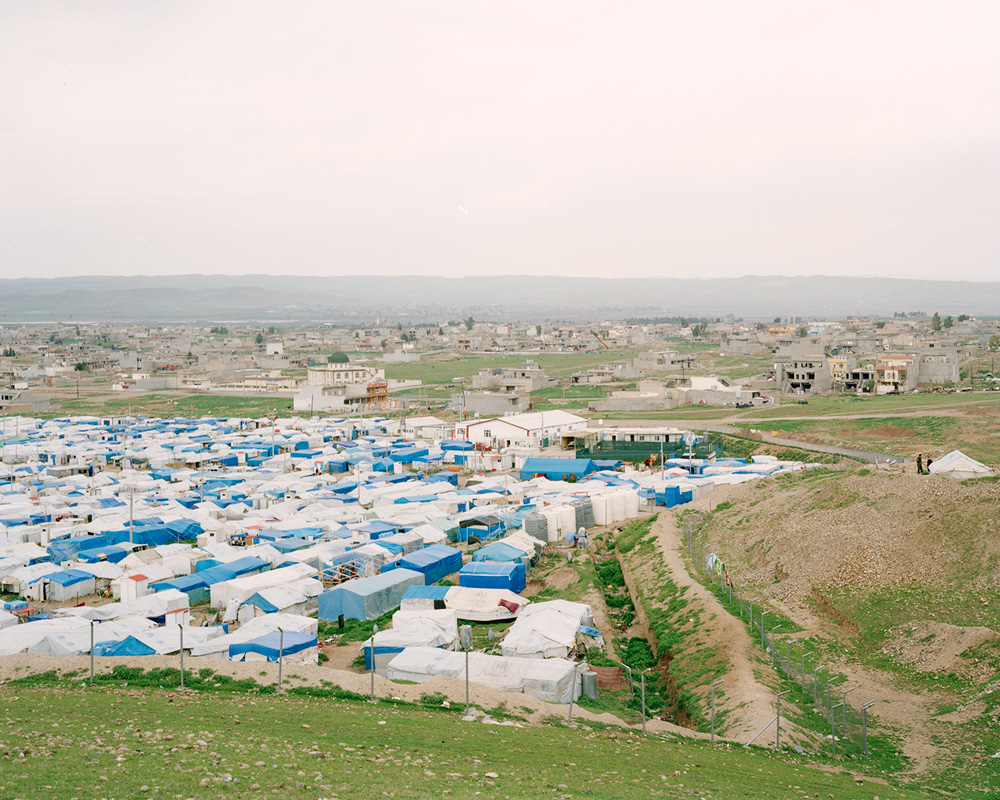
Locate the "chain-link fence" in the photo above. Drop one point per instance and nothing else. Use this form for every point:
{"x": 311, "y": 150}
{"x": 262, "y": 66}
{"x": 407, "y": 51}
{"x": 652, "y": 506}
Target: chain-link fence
{"x": 825, "y": 697}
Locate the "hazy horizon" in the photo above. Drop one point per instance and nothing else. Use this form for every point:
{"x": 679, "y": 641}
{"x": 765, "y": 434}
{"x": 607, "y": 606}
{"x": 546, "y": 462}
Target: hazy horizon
{"x": 455, "y": 139}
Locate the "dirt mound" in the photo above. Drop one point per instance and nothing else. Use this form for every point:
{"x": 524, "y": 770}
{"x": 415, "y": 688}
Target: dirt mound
{"x": 885, "y": 432}
{"x": 938, "y": 647}
{"x": 864, "y": 531}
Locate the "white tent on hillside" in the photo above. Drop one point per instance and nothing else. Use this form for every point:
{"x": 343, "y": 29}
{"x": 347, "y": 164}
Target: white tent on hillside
{"x": 959, "y": 466}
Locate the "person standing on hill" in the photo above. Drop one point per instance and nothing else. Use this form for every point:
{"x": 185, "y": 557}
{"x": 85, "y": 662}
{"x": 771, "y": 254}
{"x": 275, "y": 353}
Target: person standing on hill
{"x": 920, "y": 464}
{"x": 927, "y": 471}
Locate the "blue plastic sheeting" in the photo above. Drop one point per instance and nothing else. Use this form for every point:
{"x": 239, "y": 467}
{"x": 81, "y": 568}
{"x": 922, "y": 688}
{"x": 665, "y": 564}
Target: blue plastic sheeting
{"x": 378, "y": 528}
{"x": 443, "y": 477}
{"x": 68, "y": 577}
{"x": 456, "y": 444}
{"x": 379, "y": 650}
{"x": 434, "y": 562}
{"x": 426, "y": 593}
{"x": 368, "y": 598}
{"x": 213, "y": 575}
{"x": 275, "y": 644}
{"x": 498, "y": 551}
{"x": 129, "y": 646}
{"x": 557, "y": 469}
{"x": 112, "y": 555}
{"x": 263, "y": 604}
{"x": 290, "y": 544}
{"x": 407, "y": 455}
{"x": 493, "y": 575}
{"x": 67, "y": 549}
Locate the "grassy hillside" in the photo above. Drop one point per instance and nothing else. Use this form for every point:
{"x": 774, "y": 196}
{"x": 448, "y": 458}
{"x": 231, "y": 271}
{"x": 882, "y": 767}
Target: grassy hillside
{"x": 892, "y": 579}
{"x": 62, "y": 742}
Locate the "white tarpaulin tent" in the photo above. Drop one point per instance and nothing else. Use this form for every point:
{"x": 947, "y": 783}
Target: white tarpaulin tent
{"x": 959, "y": 466}
{"x": 553, "y": 680}
{"x": 545, "y": 630}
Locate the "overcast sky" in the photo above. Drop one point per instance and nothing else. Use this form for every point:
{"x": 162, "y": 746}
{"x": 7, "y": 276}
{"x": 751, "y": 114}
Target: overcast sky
{"x": 688, "y": 139}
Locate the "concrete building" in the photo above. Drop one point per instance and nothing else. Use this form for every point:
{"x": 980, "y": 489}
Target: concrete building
{"x": 807, "y": 374}
{"x": 895, "y": 373}
{"x": 528, "y": 378}
{"x": 494, "y": 404}
{"x": 342, "y": 374}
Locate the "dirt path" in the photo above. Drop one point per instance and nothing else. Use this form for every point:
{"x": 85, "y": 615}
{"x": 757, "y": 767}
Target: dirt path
{"x": 750, "y": 703}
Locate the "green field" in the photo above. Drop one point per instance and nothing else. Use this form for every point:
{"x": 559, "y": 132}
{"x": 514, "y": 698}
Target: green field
{"x": 175, "y": 404}
{"x": 61, "y": 742}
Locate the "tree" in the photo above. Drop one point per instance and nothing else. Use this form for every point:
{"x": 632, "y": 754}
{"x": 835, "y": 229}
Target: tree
{"x": 684, "y": 322}
{"x": 936, "y": 322}
{"x": 259, "y": 338}
{"x": 338, "y": 357}
{"x": 357, "y": 334}
{"x": 80, "y": 366}
{"x": 963, "y": 317}
{"x": 994, "y": 343}
{"x": 777, "y": 320}
{"x": 271, "y": 330}
{"x": 947, "y": 322}
{"x": 440, "y": 331}
{"x": 880, "y": 324}
{"x": 469, "y": 323}
{"x": 802, "y": 332}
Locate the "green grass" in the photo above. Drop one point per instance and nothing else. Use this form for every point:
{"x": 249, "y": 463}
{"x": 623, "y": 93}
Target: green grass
{"x": 102, "y": 742}
{"x": 174, "y": 404}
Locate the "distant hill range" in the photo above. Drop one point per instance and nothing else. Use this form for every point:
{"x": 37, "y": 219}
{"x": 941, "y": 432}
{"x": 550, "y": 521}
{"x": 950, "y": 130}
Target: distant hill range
{"x": 364, "y": 299}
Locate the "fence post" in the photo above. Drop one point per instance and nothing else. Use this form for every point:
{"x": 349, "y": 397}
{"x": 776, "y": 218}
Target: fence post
{"x": 181, "y": 631}
{"x": 845, "y": 708}
{"x": 864, "y": 726}
{"x": 371, "y": 653}
{"x": 815, "y": 681}
{"x": 92, "y": 652}
{"x": 777, "y": 720}
{"x": 721, "y": 680}
{"x": 833, "y": 730}
{"x": 829, "y": 680}
{"x": 642, "y": 675}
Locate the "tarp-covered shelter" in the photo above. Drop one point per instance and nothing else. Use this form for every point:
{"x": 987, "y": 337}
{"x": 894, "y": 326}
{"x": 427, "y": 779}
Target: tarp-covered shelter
{"x": 368, "y": 598}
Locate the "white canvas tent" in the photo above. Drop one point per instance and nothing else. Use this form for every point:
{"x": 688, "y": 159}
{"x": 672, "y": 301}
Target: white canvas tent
{"x": 959, "y": 466}
{"x": 553, "y": 680}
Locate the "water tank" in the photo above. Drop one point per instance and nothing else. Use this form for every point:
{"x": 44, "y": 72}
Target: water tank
{"x": 588, "y": 685}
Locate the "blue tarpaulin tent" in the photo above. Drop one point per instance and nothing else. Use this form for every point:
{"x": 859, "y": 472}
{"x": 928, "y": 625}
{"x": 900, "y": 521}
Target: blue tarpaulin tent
{"x": 434, "y": 562}
{"x": 112, "y": 554}
{"x": 368, "y": 598}
{"x": 129, "y": 646}
{"x": 498, "y": 551}
{"x": 493, "y": 575}
{"x": 275, "y": 644}
{"x": 557, "y": 469}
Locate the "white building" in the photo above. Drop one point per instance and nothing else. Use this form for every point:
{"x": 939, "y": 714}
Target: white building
{"x": 521, "y": 430}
